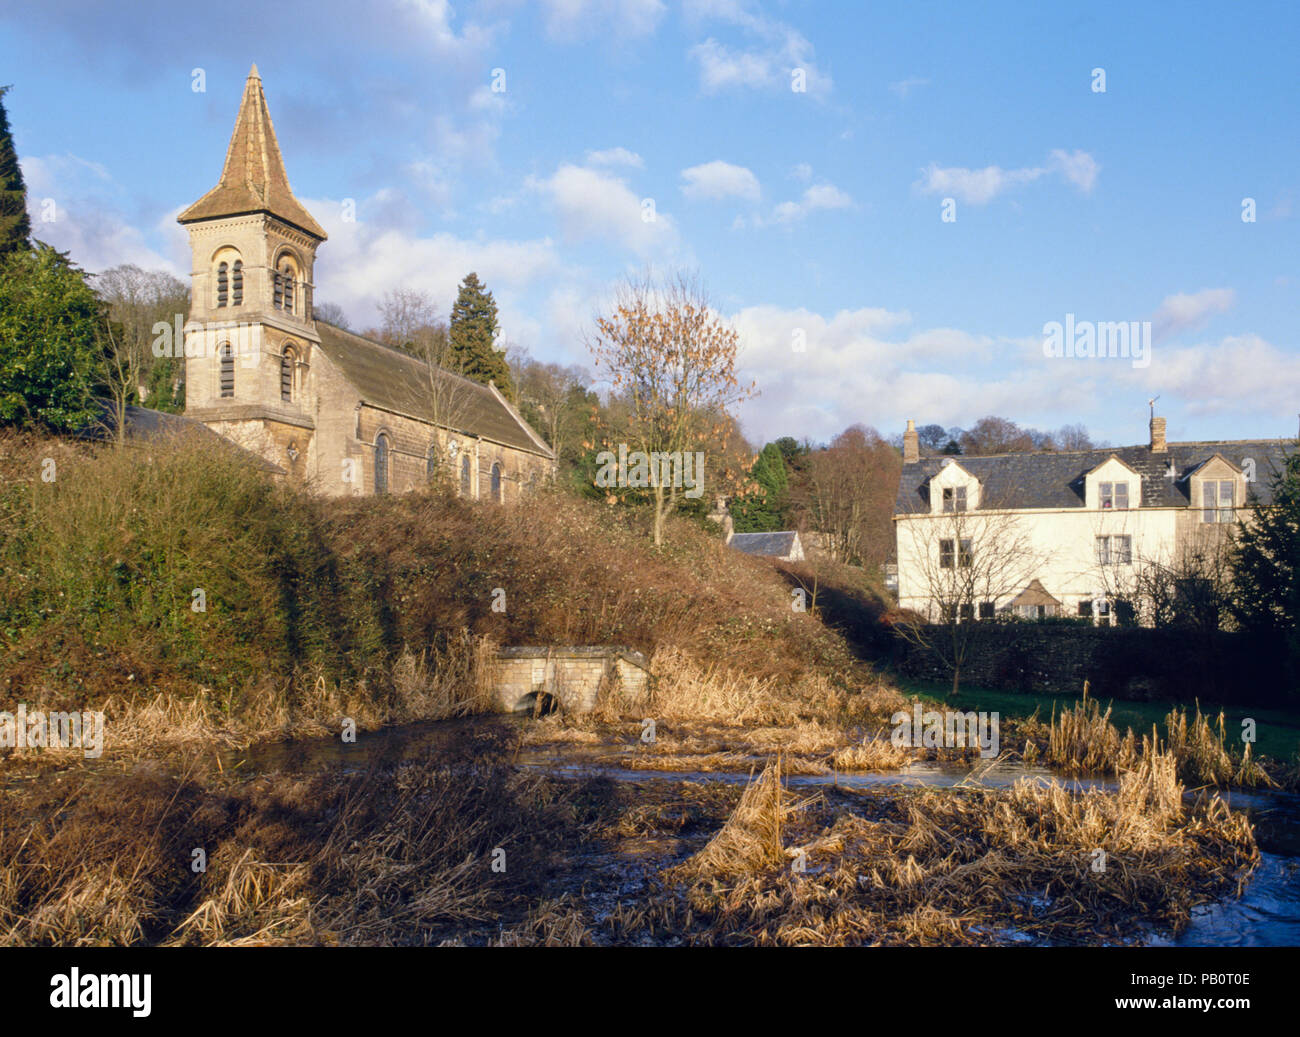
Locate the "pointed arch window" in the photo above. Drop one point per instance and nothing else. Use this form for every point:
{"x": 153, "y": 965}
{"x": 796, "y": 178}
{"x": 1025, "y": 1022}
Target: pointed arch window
{"x": 381, "y": 463}
{"x": 237, "y": 283}
{"x": 223, "y": 284}
{"x": 466, "y": 482}
{"x": 287, "y": 364}
{"x": 227, "y": 353}
{"x": 496, "y": 482}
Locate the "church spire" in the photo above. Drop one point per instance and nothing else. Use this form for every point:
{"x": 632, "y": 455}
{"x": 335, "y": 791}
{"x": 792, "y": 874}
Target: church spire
{"x": 253, "y": 179}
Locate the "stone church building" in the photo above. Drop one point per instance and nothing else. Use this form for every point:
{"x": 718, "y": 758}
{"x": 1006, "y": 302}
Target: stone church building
{"x": 336, "y": 412}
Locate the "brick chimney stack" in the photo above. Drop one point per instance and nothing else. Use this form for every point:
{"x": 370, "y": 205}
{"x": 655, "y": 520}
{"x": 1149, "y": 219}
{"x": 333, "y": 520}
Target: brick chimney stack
{"x": 911, "y": 444}
{"x": 1158, "y": 444}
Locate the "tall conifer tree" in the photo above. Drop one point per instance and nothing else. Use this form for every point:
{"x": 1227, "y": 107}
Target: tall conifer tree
{"x": 15, "y": 228}
{"x": 473, "y": 330}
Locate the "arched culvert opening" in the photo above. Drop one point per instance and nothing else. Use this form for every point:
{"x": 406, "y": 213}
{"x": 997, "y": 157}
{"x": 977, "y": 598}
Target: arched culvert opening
{"x": 538, "y": 704}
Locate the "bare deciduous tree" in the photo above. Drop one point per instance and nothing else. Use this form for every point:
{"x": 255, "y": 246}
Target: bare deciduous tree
{"x": 552, "y": 396}
{"x": 847, "y": 495}
{"x": 410, "y": 323}
{"x": 137, "y": 300}
{"x": 672, "y": 360}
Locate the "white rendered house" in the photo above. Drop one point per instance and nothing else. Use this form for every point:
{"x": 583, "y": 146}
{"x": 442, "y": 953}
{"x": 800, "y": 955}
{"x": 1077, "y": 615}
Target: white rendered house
{"x": 1071, "y": 533}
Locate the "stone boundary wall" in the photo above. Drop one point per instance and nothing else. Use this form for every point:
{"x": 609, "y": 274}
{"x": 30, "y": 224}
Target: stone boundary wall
{"x": 1118, "y": 662}
{"x": 573, "y": 675}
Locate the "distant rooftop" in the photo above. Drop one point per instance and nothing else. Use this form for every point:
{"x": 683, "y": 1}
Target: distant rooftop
{"x": 771, "y": 545}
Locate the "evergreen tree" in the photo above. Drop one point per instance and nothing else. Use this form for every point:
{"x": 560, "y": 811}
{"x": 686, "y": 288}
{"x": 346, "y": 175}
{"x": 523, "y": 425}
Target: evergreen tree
{"x": 15, "y": 228}
{"x": 1266, "y": 564}
{"x": 763, "y": 510}
{"x": 473, "y": 336}
{"x": 51, "y": 345}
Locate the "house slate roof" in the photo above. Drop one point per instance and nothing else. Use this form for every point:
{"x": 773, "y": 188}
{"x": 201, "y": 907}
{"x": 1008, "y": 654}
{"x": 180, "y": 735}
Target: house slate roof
{"x": 1056, "y": 480}
{"x": 395, "y": 381}
{"x": 253, "y": 179}
{"x": 146, "y": 424}
{"x": 772, "y": 545}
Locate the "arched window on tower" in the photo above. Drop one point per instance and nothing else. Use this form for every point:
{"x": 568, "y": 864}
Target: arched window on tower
{"x": 227, "y": 353}
{"x": 278, "y": 297}
{"x": 496, "y": 482}
{"x": 288, "y": 363}
{"x": 466, "y": 481}
{"x": 237, "y": 283}
{"x": 381, "y": 463}
{"x": 288, "y": 287}
{"x": 223, "y": 283}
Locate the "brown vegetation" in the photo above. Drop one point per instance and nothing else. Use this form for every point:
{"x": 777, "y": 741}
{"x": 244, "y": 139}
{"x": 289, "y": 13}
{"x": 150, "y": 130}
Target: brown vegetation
{"x": 977, "y": 866}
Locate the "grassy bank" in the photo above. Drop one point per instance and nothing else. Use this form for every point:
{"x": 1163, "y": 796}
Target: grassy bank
{"x": 191, "y": 598}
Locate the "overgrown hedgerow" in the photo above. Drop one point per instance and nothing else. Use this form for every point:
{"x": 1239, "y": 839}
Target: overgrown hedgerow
{"x": 309, "y": 602}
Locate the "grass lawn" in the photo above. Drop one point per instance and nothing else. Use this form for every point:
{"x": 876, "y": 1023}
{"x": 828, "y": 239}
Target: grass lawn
{"x": 1277, "y": 731}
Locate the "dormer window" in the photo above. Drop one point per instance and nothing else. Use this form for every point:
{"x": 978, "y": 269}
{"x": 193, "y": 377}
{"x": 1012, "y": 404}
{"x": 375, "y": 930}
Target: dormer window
{"x": 1113, "y": 496}
{"x": 1217, "y": 500}
{"x": 954, "y": 498}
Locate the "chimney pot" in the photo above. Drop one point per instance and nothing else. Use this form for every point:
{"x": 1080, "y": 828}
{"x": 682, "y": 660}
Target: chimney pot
{"x": 1158, "y": 444}
{"x": 911, "y": 444}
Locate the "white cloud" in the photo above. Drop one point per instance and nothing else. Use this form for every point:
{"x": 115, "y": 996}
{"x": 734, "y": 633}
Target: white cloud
{"x": 980, "y": 186}
{"x": 1241, "y": 374}
{"x": 717, "y": 180}
{"x": 1078, "y": 167}
{"x": 722, "y": 68}
{"x": 1187, "y": 312}
{"x": 975, "y": 186}
{"x": 615, "y": 157}
{"x": 76, "y": 206}
{"x": 819, "y": 196}
{"x": 365, "y": 258}
{"x": 594, "y": 205}
{"x": 581, "y": 19}
{"x": 776, "y": 51}
{"x": 905, "y": 86}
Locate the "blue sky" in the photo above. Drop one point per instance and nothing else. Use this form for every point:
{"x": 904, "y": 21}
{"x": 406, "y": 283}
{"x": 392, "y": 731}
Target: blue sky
{"x": 813, "y": 215}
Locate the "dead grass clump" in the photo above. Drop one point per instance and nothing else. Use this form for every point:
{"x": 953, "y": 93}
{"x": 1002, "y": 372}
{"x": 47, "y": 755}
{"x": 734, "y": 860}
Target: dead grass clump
{"x": 1083, "y": 740}
{"x": 872, "y": 754}
{"x": 686, "y": 690}
{"x": 979, "y": 866}
{"x": 751, "y": 839}
{"x": 1203, "y": 754}
{"x": 395, "y": 855}
{"x": 553, "y": 923}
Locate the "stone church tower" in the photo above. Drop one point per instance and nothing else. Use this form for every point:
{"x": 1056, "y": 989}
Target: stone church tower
{"x": 331, "y": 410}
{"x": 251, "y": 341}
